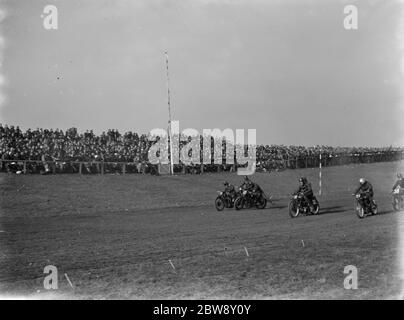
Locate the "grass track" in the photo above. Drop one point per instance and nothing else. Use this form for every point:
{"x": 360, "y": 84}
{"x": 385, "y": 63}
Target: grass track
{"x": 114, "y": 237}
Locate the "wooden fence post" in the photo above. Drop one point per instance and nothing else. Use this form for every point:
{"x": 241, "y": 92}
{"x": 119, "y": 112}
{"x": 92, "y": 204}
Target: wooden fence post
{"x": 80, "y": 165}
{"x": 124, "y": 168}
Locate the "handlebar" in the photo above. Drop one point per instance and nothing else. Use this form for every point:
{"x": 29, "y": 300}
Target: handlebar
{"x": 360, "y": 193}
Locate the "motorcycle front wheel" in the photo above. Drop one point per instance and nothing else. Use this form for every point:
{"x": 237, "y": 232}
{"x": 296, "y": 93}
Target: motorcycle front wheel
{"x": 396, "y": 204}
{"x": 239, "y": 203}
{"x": 219, "y": 204}
{"x": 360, "y": 211}
{"x": 293, "y": 209}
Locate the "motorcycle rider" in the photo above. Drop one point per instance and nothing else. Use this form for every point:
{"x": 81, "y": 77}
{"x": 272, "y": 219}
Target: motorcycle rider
{"x": 251, "y": 187}
{"x": 229, "y": 190}
{"x": 306, "y": 190}
{"x": 366, "y": 188}
{"x": 399, "y": 183}
{"x": 247, "y": 183}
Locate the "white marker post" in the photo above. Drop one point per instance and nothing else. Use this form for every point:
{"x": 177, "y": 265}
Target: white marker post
{"x": 68, "y": 280}
{"x": 319, "y": 176}
{"x": 172, "y": 265}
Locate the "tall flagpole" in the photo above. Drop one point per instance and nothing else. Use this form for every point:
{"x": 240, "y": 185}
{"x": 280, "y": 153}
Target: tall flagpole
{"x": 169, "y": 119}
{"x": 319, "y": 173}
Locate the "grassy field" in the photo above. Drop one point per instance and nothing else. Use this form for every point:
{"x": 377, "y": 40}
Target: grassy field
{"x": 114, "y": 236}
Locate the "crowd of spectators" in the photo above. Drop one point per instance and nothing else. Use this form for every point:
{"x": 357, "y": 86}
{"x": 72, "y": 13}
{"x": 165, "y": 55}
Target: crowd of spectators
{"x": 56, "y": 145}
{"x": 45, "y": 145}
{"x": 281, "y": 156}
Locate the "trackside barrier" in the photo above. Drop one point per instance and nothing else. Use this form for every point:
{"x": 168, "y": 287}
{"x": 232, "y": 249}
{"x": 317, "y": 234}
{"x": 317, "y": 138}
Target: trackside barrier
{"x": 103, "y": 167}
{"x": 79, "y": 167}
{"x": 301, "y": 162}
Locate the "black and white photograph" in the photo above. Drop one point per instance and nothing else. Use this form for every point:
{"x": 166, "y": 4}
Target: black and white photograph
{"x": 220, "y": 152}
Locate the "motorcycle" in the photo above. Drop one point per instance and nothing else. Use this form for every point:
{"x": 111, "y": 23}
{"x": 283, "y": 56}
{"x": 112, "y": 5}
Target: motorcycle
{"x": 248, "y": 199}
{"x": 298, "y": 204}
{"x": 398, "y": 200}
{"x": 363, "y": 206}
{"x": 224, "y": 200}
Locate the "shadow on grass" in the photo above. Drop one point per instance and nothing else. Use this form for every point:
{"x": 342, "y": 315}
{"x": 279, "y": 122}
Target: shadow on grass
{"x": 333, "y": 209}
{"x": 277, "y": 207}
{"x": 381, "y": 213}
{"x": 274, "y": 204}
{"x": 268, "y": 207}
{"x": 385, "y": 212}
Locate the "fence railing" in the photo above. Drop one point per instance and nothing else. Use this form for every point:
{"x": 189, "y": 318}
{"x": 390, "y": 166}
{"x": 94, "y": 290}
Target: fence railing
{"x": 102, "y": 167}
{"x": 80, "y": 167}
{"x": 342, "y": 159}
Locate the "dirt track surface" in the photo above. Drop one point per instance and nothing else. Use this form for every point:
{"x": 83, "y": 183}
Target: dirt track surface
{"x": 147, "y": 237}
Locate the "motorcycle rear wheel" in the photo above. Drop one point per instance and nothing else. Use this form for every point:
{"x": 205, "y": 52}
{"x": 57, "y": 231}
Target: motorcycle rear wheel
{"x": 261, "y": 203}
{"x": 316, "y": 208}
{"x": 375, "y": 209}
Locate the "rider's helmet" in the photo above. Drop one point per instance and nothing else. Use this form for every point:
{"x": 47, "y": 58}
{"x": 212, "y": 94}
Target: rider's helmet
{"x": 399, "y": 175}
{"x": 246, "y": 179}
{"x": 362, "y": 180}
{"x": 226, "y": 183}
{"x": 303, "y": 180}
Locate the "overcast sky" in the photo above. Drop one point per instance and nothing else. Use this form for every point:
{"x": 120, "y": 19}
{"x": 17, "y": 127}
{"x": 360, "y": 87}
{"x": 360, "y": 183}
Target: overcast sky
{"x": 286, "y": 68}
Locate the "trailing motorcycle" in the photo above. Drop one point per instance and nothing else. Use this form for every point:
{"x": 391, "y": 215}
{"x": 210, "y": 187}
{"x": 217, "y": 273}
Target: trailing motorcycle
{"x": 363, "y": 205}
{"x": 224, "y": 200}
{"x": 397, "y": 200}
{"x": 248, "y": 199}
{"x": 298, "y": 205}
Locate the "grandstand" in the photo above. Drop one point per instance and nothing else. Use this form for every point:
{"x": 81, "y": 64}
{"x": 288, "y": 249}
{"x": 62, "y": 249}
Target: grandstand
{"x": 55, "y": 151}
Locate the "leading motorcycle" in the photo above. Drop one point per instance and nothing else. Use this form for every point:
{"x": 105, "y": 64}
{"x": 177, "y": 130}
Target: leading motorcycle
{"x": 363, "y": 205}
